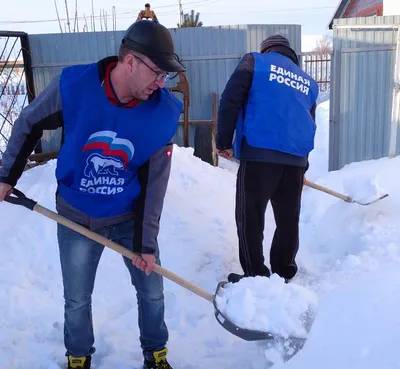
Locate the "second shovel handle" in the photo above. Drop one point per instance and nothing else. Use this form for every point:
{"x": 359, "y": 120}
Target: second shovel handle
{"x": 327, "y": 190}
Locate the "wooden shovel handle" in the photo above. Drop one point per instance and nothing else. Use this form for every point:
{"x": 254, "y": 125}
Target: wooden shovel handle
{"x": 121, "y": 250}
{"x": 327, "y": 190}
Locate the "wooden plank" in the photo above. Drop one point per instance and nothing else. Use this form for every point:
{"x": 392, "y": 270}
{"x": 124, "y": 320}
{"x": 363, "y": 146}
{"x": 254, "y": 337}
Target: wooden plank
{"x": 10, "y": 64}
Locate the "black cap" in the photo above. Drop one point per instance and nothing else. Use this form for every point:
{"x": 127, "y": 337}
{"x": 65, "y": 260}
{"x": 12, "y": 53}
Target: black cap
{"x": 153, "y": 40}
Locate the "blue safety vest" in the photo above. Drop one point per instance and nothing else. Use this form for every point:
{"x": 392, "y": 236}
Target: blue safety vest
{"x": 277, "y": 113}
{"x": 104, "y": 145}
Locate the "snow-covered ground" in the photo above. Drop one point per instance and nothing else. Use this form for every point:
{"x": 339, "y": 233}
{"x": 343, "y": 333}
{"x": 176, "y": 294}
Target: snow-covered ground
{"x": 349, "y": 257}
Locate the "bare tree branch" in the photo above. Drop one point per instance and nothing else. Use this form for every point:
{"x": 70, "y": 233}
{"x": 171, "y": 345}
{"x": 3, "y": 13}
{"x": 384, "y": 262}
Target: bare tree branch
{"x": 323, "y": 45}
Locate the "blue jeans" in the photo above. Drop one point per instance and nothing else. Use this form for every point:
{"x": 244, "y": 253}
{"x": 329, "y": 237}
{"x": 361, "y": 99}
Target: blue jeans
{"x": 79, "y": 258}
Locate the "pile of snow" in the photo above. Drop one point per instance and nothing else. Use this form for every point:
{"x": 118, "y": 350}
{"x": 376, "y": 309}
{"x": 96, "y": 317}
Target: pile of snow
{"x": 357, "y": 325}
{"x": 365, "y": 187}
{"x": 319, "y": 157}
{"x": 268, "y": 305}
{"x": 349, "y": 257}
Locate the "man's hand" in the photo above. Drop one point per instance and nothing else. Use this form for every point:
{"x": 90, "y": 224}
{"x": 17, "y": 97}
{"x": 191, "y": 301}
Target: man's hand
{"x": 5, "y": 190}
{"x": 227, "y": 154}
{"x": 145, "y": 262}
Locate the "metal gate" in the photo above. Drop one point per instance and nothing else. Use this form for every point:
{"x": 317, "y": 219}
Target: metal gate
{"x": 318, "y": 66}
{"x": 16, "y": 81}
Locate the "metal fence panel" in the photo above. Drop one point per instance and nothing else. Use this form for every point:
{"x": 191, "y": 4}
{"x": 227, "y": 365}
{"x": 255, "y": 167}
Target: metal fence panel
{"x": 364, "y": 134}
{"x": 362, "y": 89}
{"x": 318, "y": 66}
{"x": 209, "y": 53}
{"x": 16, "y": 81}
{"x": 258, "y": 33}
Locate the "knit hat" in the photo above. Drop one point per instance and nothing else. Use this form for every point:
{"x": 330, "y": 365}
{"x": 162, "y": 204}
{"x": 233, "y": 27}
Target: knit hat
{"x": 274, "y": 40}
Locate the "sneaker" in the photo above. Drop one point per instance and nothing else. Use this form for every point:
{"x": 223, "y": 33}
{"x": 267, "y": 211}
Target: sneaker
{"x": 234, "y": 278}
{"x": 159, "y": 362}
{"x": 79, "y": 362}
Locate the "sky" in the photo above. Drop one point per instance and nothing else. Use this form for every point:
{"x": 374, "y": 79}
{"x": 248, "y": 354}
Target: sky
{"x": 40, "y": 16}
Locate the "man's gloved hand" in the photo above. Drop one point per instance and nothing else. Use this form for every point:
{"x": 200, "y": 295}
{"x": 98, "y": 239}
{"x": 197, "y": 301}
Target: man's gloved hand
{"x": 5, "y": 189}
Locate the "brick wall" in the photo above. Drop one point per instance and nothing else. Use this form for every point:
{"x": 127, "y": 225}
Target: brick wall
{"x": 364, "y": 8}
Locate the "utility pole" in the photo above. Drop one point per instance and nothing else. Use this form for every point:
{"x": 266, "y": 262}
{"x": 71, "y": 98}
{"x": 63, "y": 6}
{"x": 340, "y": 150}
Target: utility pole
{"x": 180, "y": 12}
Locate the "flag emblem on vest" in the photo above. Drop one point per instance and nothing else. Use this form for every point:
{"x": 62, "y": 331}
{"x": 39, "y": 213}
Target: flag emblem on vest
{"x": 105, "y": 169}
{"x": 110, "y": 145}
{"x": 168, "y": 153}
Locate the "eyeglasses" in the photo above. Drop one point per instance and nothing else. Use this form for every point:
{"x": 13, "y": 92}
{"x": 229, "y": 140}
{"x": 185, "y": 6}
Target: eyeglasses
{"x": 159, "y": 75}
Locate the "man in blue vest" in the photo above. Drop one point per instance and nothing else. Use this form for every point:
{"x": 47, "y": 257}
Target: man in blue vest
{"x": 118, "y": 121}
{"x": 269, "y": 105}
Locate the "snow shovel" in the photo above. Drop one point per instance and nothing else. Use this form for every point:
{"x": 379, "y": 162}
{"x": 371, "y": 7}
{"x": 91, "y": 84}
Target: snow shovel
{"x": 246, "y": 334}
{"x": 339, "y": 195}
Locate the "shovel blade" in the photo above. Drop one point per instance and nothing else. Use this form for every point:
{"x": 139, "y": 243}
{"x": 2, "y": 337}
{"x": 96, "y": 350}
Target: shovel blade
{"x": 371, "y": 202}
{"x": 244, "y": 334}
{"x": 253, "y": 334}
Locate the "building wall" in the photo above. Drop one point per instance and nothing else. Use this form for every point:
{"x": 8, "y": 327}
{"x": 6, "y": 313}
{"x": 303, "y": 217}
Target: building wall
{"x": 364, "y": 8}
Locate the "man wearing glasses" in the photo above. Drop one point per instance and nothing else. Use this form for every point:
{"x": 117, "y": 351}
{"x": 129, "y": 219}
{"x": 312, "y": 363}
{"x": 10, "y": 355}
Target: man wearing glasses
{"x": 117, "y": 121}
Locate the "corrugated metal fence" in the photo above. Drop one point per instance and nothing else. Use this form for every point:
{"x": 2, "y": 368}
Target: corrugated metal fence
{"x": 209, "y": 53}
{"x": 363, "y": 99}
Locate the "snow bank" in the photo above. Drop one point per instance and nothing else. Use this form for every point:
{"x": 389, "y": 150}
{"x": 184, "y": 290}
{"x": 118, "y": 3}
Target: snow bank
{"x": 339, "y": 240}
{"x": 319, "y": 157}
{"x": 356, "y": 327}
{"x": 269, "y": 305}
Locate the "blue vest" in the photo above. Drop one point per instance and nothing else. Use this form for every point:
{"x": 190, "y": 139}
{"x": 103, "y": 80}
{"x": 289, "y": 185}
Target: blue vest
{"x": 104, "y": 145}
{"x": 277, "y": 115}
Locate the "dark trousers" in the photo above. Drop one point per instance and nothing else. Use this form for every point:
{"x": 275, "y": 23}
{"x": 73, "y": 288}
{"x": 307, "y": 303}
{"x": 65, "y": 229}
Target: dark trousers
{"x": 257, "y": 184}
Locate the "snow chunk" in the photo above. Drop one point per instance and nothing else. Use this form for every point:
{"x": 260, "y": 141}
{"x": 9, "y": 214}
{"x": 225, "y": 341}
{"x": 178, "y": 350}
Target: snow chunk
{"x": 269, "y": 305}
{"x": 363, "y": 187}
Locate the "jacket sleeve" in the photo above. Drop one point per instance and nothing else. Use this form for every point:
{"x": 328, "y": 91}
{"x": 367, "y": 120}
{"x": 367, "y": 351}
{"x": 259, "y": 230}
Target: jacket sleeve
{"x": 43, "y": 113}
{"x": 153, "y": 178}
{"x": 233, "y": 99}
{"x": 312, "y": 112}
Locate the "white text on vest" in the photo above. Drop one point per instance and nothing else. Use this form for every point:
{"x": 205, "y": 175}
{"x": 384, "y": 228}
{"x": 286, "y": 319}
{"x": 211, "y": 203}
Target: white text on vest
{"x": 289, "y": 78}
